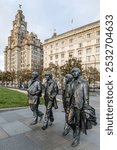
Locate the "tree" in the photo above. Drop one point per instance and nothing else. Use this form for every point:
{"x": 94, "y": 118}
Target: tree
{"x": 54, "y": 69}
{"x": 12, "y": 76}
{"x": 71, "y": 63}
{"x": 23, "y": 76}
{"x": 91, "y": 74}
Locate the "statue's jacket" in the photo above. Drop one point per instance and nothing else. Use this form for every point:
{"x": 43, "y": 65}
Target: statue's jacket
{"x": 67, "y": 94}
{"x": 51, "y": 90}
{"x": 80, "y": 100}
{"x": 80, "y": 93}
{"x": 34, "y": 91}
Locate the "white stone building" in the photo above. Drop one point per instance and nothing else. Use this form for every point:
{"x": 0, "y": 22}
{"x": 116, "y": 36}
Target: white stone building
{"x": 82, "y": 43}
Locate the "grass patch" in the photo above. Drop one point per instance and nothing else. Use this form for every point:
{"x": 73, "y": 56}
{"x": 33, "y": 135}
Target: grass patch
{"x": 10, "y": 98}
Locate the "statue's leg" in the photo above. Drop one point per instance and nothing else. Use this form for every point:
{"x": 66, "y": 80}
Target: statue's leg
{"x": 67, "y": 128}
{"x": 35, "y": 115}
{"x": 71, "y": 120}
{"x": 39, "y": 113}
{"x": 51, "y": 117}
{"x": 77, "y": 127}
{"x": 47, "y": 115}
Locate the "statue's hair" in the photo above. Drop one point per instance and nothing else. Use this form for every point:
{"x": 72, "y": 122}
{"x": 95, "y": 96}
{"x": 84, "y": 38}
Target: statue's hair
{"x": 69, "y": 75}
{"x": 75, "y": 69}
{"x": 35, "y": 73}
{"x": 48, "y": 74}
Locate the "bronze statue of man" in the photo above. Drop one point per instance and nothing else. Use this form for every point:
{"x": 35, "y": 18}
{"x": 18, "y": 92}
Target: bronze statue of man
{"x": 66, "y": 97}
{"x": 80, "y": 97}
{"x": 51, "y": 90}
{"x": 34, "y": 93}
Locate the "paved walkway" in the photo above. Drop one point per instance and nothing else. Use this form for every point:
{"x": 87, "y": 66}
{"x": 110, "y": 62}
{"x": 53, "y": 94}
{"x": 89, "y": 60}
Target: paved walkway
{"x": 17, "y": 134}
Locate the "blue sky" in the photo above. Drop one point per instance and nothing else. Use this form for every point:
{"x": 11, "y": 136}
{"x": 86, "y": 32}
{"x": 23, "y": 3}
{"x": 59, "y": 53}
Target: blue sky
{"x": 43, "y": 16}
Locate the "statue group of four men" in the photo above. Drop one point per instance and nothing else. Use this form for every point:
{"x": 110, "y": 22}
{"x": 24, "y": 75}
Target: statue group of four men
{"x": 75, "y": 96}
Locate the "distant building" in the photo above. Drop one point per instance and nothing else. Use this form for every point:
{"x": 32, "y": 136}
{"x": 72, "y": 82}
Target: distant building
{"x": 82, "y": 43}
{"x": 24, "y": 50}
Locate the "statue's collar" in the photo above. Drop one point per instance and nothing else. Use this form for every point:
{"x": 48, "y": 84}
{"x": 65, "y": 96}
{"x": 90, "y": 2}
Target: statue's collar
{"x": 78, "y": 80}
{"x": 50, "y": 81}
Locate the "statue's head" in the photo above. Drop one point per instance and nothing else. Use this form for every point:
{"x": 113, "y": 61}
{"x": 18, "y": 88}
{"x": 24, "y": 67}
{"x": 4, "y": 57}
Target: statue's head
{"x": 68, "y": 78}
{"x": 75, "y": 72}
{"x": 35, "y": 75}
{"x": 48, "y": 75}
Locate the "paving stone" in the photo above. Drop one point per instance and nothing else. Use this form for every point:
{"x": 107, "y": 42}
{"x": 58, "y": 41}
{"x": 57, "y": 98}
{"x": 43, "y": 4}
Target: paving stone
{"x": 11, "y": 116}
{"x": 16, "y": 127}
{"x": 3, "y": 134}
{"x": 25, "y": 114}
{"x": 2, "y": 120}
{"x": 46, "y": 139}
{"x": 90, "y": 146}
{"x": 20, "y": 142}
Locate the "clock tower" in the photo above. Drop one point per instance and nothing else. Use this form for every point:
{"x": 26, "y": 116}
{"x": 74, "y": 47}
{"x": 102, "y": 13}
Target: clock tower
{"x": 24, "y": 50}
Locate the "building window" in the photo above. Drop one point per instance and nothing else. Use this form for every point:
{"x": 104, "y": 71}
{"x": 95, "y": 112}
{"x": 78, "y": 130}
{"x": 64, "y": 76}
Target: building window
{"x": 70, "y": 40}
{"x": 88, "y": 50}
{"x": 97, "y": 41}
{"x": 79, "y": 52}
{"x": 45, "y": 46}
{"x": 89, "y": 35}
{"x": 56, "y": 44}
{"x": 51, "y": 57}
{"x": 97, "y": 49}
{"x": 80, "y": 44}
{"x": 88, "y": 58}
{"x": 62, "y": 42}
{"x": 62, "y": 55}
{"x": 97, "y": 32}
{"x": 56, "y": 56}
{"x": 70, "y": 54}
{"x": 51, "y": 52}
{"x": 97, "y": 57}
{"x": 51, "y": 46}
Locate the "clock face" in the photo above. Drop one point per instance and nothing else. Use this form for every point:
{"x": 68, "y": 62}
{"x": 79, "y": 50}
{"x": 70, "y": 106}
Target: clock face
{"x": 22, "y": 27}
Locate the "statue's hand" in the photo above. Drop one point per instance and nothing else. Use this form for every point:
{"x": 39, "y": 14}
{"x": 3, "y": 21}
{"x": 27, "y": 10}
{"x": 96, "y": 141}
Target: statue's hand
{"x": 86, "y": 103}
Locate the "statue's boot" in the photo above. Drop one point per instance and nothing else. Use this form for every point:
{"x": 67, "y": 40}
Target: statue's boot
{"x": 76, "y": 141}
{"x": 66, "y": 130}
{"x": 45, "y": 125}
{"x": 34, "y": 122}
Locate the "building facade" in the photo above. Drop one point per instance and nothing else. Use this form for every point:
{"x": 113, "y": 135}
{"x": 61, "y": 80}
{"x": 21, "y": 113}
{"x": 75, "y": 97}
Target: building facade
{"x": 82, "y": 43}
{"x": 24, "y": 50}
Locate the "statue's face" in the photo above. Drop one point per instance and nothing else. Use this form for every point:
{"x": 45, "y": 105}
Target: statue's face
{"x": 67, "y": 79}
{"x": 75, "y": 74}
{"x": 34, "y": 76}
{"x": 47, "y": 77}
